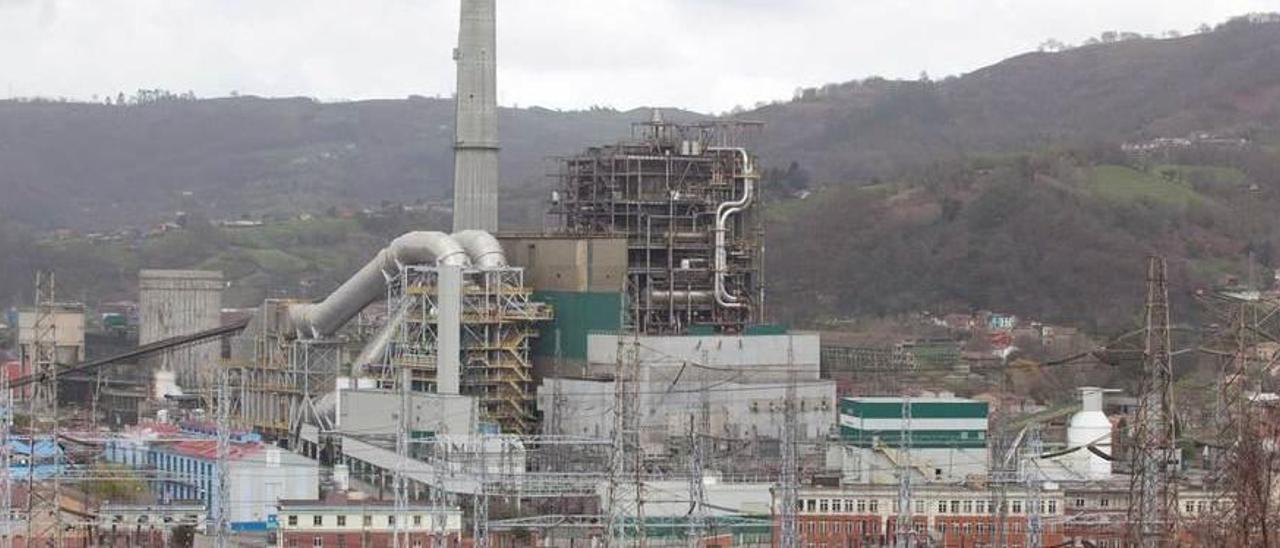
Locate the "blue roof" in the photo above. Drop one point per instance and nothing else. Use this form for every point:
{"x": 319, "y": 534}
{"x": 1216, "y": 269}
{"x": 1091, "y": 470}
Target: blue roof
{"x": 44, "y": 448}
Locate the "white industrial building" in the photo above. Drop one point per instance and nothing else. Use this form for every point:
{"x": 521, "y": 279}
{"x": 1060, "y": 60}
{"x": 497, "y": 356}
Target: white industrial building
{"x": 738, "y": 382}
{"x": 946, "y": 439}
{"x": 258, "y": 475}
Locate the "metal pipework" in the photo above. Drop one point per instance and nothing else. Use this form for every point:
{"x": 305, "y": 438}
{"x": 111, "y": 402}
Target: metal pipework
{"x": 484, "y": 249}
{"x": 723, "y": 212}
{"x": 369, "y": 283}
{"x": 680, "y": 295}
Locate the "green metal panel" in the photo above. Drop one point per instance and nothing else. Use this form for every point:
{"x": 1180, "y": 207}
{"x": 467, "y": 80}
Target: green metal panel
{"x": 765, "y": 329}
{"x": 920, "y": 409}
{"x": 577, "y": 313}
{"x": 923, "y": 439}
{"x": 699, "y": 330}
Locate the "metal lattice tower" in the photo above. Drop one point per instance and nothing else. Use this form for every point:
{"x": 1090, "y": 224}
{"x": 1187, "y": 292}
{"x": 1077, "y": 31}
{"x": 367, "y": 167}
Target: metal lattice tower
{"x": 222, "y": 518}
{"x": 1032, "y": 449}
{"x": 624, "y": 522}
{"x": 1243, "y": 323}
{"x": 399, "y": 533}
{"x": 480, "y": 499}
{"x": 6, "y": 459}
{"x": 697, "y": 526}
{"x": 439, "y": 495}
{"x": 1152, "y": 496}
{"x": 904, "y": 530}
{"x": 44, "y": 513}
{"x": 789, "y": 482}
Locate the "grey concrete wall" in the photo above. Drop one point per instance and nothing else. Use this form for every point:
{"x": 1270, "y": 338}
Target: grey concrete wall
{"x": 736, "y": 358}
{"x": 371, "y": 412}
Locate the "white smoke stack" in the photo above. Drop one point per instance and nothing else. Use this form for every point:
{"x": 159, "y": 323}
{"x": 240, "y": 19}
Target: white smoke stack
{"x": 475, "y": 157}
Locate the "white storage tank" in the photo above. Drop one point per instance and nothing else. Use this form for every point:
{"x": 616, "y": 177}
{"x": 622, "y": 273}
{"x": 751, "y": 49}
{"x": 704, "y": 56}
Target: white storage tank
{"x": 1090, "y": 426}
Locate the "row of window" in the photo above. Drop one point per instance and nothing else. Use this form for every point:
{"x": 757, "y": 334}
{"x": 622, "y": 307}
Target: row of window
{"x": 956, "y": 506}
{"x": 318, "y": 542}
{"x": 864, "y": 528}
{"x": 318, "y": 520}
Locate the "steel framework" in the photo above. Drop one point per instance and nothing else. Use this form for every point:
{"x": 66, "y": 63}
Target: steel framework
{"x": 44, "y": 496}
{"x": 1152, "y": 495}
{"x": 498, "y": 323}
{"x": 684, "y": 196}
{"x": 280, "y": 389}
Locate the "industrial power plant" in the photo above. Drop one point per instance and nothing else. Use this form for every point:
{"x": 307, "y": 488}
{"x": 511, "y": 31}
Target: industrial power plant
{"x": 615, "y": 379}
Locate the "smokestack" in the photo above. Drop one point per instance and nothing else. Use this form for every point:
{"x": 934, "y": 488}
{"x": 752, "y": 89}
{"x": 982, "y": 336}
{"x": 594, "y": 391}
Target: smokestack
{"x": 475, "y": 157}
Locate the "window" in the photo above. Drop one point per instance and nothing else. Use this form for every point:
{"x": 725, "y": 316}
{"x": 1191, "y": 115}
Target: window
{"x": 342, "y": 541}
{"x": 848, "y": 505}
{"x": 293, "y": 520}
{"x": 391, "y": 520}
{"x": 1053, "y": 507}
{"x": 417, "y": 521}
{"x": 1079, "y": 503}
{"x": 342, "y": 521}
{"x": 871, "y": 506}
{"x": 919, "y": 506}
{"x": 1017, "y": 507}
{"x": 1200, "y": 506}
{"x": 822, "y": 506}
{"x": 955, "y": 507}
{"x": 811, "y": 505}
{"x": 968, "y": 507}
{"x": 317, "y": 520}
{"x": 368, "y": 521}
{"x": 862, "y": 506}
{"x": 1104, "y": 502}
{"x": 317, "y": 542}
{"x": 942, "y": 507}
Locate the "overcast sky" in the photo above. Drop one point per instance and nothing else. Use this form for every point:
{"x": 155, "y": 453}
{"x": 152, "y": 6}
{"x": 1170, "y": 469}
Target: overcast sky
{"x": 707, "y": 55}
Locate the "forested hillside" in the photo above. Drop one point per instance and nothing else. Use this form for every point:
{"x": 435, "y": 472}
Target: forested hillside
{"x": 1006, "y": 188}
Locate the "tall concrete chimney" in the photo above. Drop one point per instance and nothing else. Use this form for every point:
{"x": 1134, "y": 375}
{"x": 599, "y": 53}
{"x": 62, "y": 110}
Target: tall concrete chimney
{"x": 475, "y": 157}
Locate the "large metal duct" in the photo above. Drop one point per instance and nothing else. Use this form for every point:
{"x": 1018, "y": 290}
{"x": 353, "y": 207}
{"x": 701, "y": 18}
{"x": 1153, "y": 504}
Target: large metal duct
{"x": 484, "y": 249}
{"x": 726, "y": 210}
{"x": 370, "y": 282}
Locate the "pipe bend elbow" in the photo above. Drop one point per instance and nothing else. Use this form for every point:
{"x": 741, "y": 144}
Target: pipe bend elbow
{"x": 484, "y": 250}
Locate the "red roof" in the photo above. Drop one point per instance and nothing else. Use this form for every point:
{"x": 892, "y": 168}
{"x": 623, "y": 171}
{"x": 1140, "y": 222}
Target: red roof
{"x": 208, "y": 449}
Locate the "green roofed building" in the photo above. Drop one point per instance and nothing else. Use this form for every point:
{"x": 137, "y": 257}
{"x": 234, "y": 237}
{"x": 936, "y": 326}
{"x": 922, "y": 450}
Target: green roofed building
{"x": 948, "y": 437}
{"x": 934, "y": 423}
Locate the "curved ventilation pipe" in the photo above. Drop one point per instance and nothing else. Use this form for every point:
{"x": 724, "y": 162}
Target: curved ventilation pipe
{"x": 483, "y": 248}
{"x": 370, "y": 282}
{"x": 726, "y": 210}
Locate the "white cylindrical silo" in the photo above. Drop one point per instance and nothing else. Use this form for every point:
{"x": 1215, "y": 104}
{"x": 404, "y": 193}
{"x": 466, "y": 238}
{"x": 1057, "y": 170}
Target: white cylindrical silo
{"x": 1090, "y": 426}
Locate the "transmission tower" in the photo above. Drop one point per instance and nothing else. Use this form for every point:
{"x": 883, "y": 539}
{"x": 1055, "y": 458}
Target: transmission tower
{"x": 904, "y": 531}
{"x": 222, "y": 502}
{"x": 789, "y": 481}
{"x": 1243, "y": 324}
{"x": 44, "y": 513}
{"x": 697, "y": 493}
{"x": 6, "y": 459}
{"x": 625, "y": 515}
{"x": 439, "y": 495}
{"x": 1152, "y": 488}
{"x": 399, "y": 533}
{"x": 1032, "y": 448}
{"x": 480, "y": 499}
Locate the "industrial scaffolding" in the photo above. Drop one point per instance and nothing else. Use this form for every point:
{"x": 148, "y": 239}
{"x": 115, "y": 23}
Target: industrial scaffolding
{"x": 281, "y": 386}
{"x": 497, "y": 321}
{"x": 684, "y": 196}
